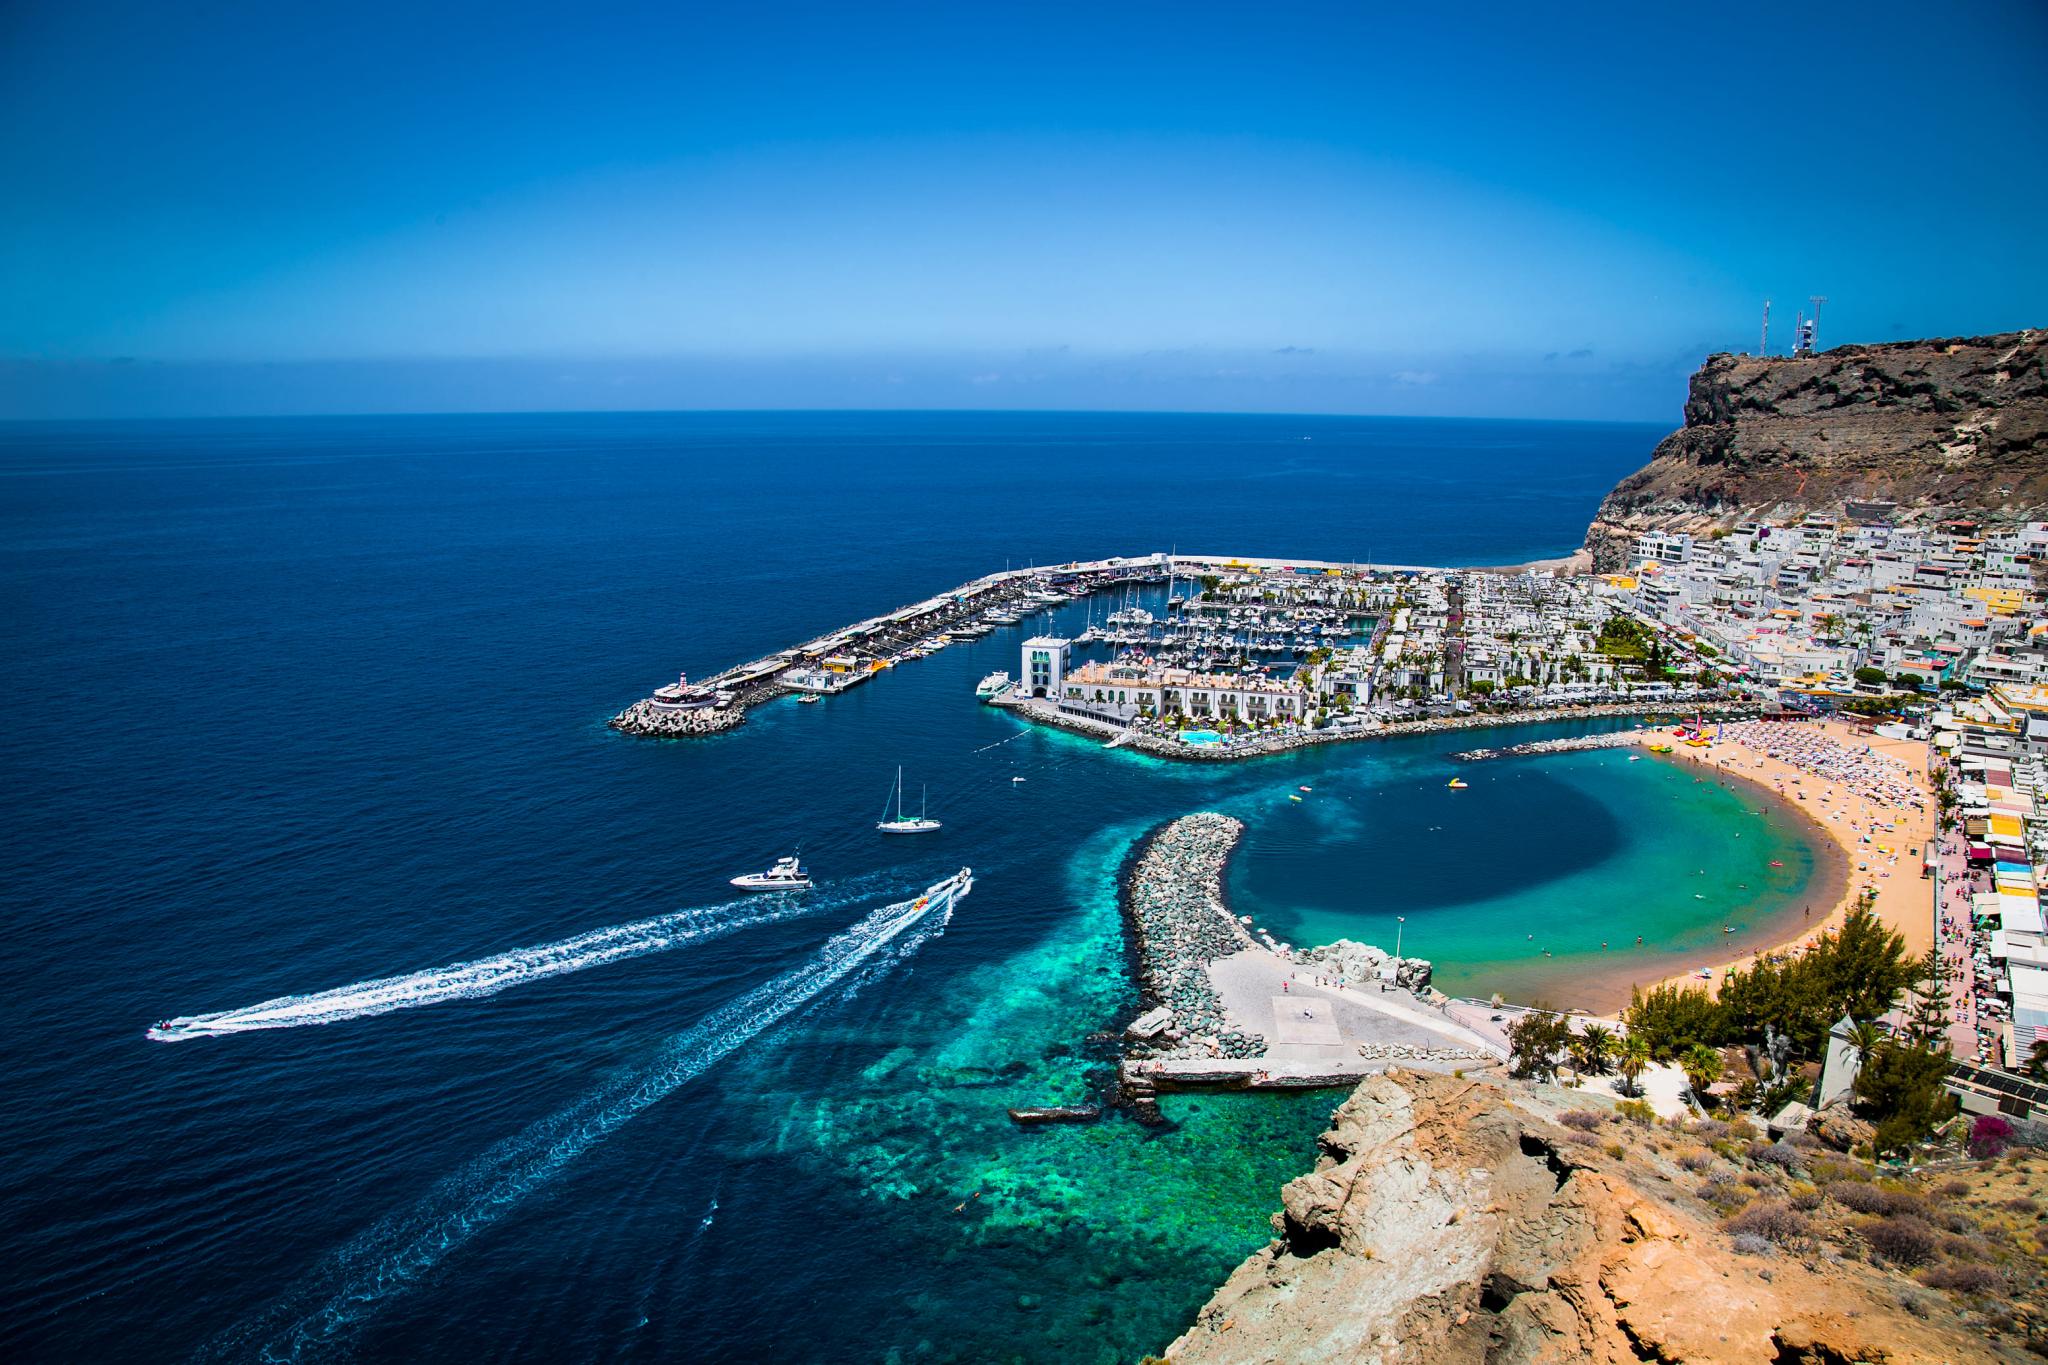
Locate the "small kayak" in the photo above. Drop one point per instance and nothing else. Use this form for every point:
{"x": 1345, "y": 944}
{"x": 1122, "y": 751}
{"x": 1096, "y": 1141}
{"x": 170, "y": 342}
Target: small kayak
{"x": 1292, "y": 797}
{"x": 1306, "y": 789}
{"x": 1776, "y": 863}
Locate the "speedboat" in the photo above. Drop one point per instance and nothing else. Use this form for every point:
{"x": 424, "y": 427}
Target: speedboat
{"x": 1457, "y": 784}
{"x": 786, "y": 875}
{"x": 808, "y": 699}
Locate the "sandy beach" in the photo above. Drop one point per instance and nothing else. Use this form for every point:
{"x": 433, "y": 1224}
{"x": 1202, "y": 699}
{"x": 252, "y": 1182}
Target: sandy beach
{"x": 1871, "y": 798}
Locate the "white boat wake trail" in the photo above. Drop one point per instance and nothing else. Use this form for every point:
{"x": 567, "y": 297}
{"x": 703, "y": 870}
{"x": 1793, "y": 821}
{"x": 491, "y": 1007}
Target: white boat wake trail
{"x": 489, "y": 975}
{"x": 348, "y": 1288}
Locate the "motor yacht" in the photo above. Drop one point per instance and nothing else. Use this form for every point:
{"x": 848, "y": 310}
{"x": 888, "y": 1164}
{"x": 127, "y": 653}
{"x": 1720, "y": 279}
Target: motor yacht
{"x": 786, "y": 875}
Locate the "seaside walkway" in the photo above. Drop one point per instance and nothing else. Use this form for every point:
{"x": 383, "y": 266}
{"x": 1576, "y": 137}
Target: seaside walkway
{"x": 1342, "y": 1029}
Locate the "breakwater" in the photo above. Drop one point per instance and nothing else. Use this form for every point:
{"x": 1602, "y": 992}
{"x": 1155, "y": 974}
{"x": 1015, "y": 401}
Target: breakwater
{"x": 1620, "y": 739}
{"x": 1179, "y": 925}
{"x": 845, "y": 658}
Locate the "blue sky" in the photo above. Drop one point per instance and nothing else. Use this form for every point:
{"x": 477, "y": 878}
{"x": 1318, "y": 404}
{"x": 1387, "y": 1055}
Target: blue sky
{"x": 1501, "y": 211}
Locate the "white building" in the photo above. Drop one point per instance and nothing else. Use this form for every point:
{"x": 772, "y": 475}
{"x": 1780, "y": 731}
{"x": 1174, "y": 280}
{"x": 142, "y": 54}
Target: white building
{"x": 1044, "y": 665}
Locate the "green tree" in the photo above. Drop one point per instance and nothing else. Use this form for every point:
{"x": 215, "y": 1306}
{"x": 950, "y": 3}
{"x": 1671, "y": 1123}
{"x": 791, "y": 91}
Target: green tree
{"x": 1860, "y": 970}
{"x": 1535, "y": 1040}
{"x": 1635, "y": 1059}
{"x": 1873, "y": 676}
{"x": 1593, "y": 1050}
{"x": 1672, "y": 1018}
{"x": 2037, "y": 1060}
{"x": 1702, "y": 1067}
{"x": 1900, "y": 1090}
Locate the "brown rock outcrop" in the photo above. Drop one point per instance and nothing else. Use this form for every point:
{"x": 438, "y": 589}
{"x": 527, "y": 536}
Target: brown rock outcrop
{"x": 1939, "y": 427}
{"x": 1450, "y": 1220}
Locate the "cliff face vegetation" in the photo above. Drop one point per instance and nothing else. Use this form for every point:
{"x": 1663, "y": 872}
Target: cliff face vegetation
{"x": 1945, "y": 427}
{"x": 1457, "y": 1220}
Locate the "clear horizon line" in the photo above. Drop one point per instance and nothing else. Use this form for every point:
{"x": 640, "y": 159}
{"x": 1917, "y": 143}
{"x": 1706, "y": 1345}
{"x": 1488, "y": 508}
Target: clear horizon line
{"x": 822, "y": 410}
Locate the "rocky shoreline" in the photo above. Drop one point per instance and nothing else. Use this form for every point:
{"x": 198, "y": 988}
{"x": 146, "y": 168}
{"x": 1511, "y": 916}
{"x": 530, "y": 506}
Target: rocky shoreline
{"x": 1160, "y": 746}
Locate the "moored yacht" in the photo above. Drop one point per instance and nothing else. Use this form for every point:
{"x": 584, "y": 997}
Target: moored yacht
{"x": 992, "y": 684}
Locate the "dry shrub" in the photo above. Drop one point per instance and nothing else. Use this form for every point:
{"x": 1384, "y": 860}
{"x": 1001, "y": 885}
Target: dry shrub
{"x": 1963, "y": 1279}
{"x": 1951, "y": 1189}
{"x": 2021, "y": 1205}
{"x": 1966, "y": 1249}
{"x": 1582, "y": 1139}
{"x": 1805, "y": 1198}
{"x": 1749, "y": 1244}
{"x": 1902, "y": 1239}
{"x": 1771, "y": 1219}
{"x": 1696, "y": 1160}
{"x": 1585, "y": 1120}
{"x": 1875, "y": 1199}
{"x": 1831, "y": 1172}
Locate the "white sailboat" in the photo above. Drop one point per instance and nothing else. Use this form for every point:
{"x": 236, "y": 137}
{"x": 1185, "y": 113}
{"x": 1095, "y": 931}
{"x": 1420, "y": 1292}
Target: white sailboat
{"x": 902, "y": 824}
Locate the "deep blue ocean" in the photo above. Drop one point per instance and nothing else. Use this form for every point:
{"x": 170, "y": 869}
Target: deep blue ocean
{"x": 293, "y": 704}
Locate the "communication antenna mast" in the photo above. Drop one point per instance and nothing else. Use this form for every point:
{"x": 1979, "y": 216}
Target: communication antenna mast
{"x": 1816, "y": 300}
{"x": 1763, "y": 347}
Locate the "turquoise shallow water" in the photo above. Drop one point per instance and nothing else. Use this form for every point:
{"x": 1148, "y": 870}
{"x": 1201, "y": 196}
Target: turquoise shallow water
{"x": 292, "y": 705}
{"x": 1537, "y": 878}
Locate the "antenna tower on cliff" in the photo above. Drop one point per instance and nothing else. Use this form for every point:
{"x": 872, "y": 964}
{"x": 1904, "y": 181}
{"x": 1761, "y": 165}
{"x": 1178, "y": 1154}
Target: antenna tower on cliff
{"x": 1813, "y": 337}
{"x": 1763, "y": 347}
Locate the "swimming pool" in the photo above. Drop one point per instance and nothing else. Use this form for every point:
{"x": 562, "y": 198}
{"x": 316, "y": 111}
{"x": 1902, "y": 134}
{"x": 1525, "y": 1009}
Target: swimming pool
{"x": 1200, "y": 737}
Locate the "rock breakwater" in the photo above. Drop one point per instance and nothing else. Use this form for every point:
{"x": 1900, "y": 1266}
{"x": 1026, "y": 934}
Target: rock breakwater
{"x": 1174, "y": 898}
{"x": 651, "y": 719}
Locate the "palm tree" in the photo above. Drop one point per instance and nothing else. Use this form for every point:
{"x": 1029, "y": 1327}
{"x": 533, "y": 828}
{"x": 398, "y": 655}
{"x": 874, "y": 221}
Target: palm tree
{"x": 1702, "y": 1067}
{"x": 1635, "y": 1057}
{"x": 1592, "y": 1050}
{"x": 1863, "y": 1040}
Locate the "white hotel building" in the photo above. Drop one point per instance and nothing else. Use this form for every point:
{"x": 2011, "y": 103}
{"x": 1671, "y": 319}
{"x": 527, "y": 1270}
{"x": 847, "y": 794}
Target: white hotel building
{"x": 1121, "y": 692}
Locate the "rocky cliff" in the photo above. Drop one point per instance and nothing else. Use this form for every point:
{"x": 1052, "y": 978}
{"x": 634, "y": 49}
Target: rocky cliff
{"x": 1939, "y": 427}
{"x": 1453, "y": 1220}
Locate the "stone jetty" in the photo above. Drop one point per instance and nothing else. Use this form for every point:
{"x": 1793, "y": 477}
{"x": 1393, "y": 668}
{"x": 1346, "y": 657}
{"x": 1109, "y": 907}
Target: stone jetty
{"x": 1174, "y": 898}
{"x": 1614, "y": 739}
{"x": 649, "y": 718}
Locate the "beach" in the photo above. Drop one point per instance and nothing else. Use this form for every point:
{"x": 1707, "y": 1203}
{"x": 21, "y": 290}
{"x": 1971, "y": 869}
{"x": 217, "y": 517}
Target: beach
{"x": 1848, "y": 784}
